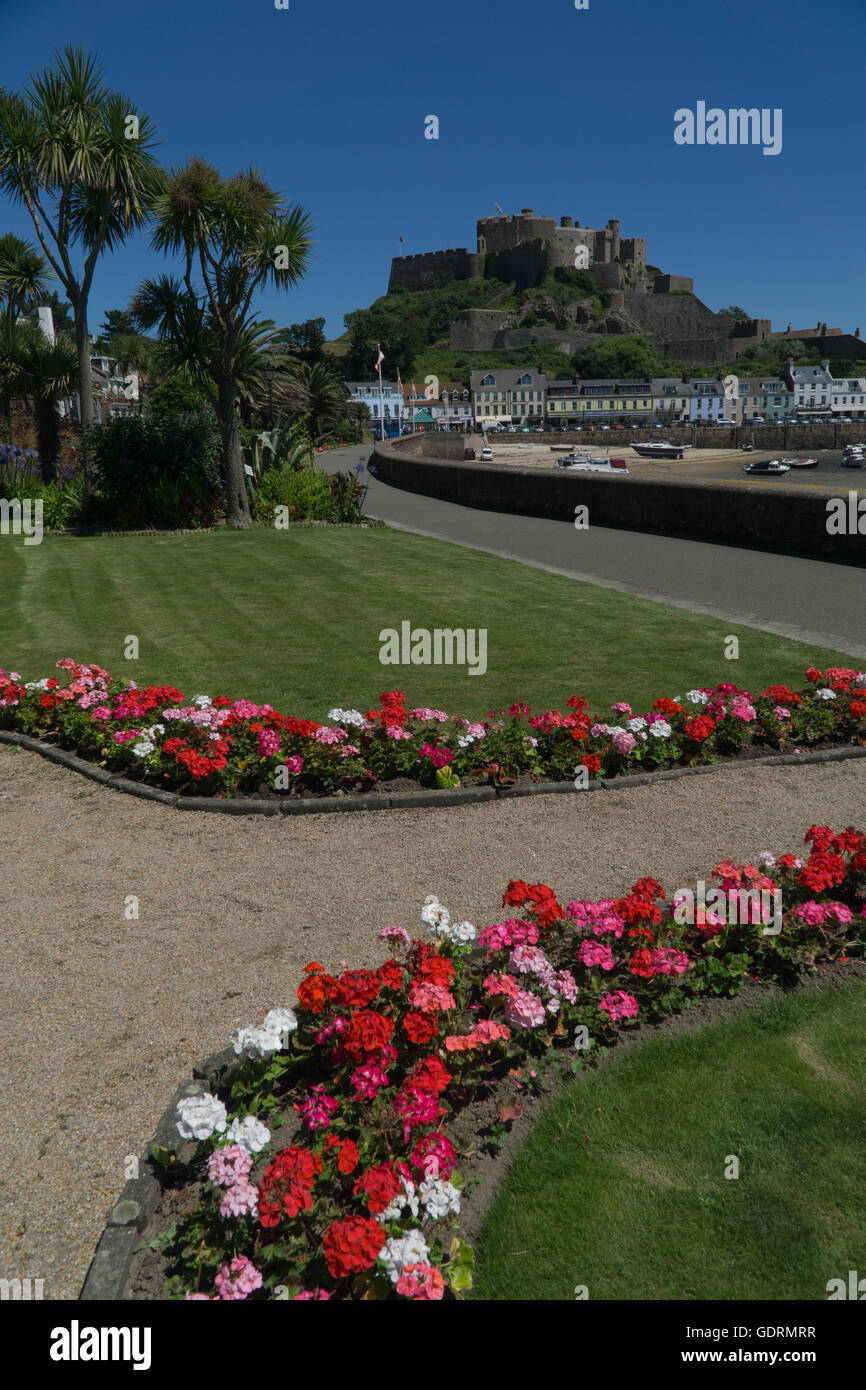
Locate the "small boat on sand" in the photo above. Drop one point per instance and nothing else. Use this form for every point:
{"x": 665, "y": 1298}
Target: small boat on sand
{"x": 768, "y": 468}
{"x": 659, "y": 449}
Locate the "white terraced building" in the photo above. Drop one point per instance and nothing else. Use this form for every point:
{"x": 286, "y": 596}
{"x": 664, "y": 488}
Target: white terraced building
{"x": 817, "y": 392}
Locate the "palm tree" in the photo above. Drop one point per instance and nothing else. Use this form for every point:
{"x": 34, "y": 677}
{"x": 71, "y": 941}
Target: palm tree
{"x": 359, "y": 413}
{"x": 131, "y": 352}
{"x": 240, "y": 236}
{"x": 78, "y": 157}
{"x": 314, "y": 393}
{"x": 24, "y": 275}
{"x": 33, "y": 367}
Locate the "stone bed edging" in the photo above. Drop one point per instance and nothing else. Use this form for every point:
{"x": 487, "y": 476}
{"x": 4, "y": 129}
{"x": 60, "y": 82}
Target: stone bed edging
{"x": 130, "y": 1215}
{"x": 455, "y": 796}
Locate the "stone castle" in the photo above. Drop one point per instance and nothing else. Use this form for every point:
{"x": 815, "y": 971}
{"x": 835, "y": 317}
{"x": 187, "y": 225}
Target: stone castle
{"x": 522, "y": 248}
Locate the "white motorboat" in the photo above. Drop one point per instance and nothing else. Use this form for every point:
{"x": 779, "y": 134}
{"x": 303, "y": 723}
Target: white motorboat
{"x": 585, "y": 462}
{"x": 768, "y": 468}
{"x": 660, "y": 449}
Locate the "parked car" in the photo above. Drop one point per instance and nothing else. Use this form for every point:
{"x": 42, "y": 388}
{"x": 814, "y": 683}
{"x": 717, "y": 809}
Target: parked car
{"x": 486, "y": 454}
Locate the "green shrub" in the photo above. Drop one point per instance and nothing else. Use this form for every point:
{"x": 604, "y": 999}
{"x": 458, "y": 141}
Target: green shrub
{"x": 310, "y": 495}
{"x": 306, "y": 493}
{"x": 175, "y": 397}
{"x": 159, "y": 470}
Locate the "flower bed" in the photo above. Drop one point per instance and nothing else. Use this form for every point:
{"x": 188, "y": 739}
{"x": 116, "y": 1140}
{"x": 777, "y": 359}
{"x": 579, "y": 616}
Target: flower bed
{"x": 326, "y": 1166}
{"x": 224, "y": 747}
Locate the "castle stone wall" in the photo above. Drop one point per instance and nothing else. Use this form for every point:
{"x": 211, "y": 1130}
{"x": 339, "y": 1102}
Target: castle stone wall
{"x": 433, "y": 270}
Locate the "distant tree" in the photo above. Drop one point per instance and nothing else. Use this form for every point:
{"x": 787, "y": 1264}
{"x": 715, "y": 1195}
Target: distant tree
{"x": 116, "y": 321}
{"x": 305, "y": 341}
{"x": 133, "y": 352}
{"x": 629, "y": 356}
{"x": 734, "y": 311}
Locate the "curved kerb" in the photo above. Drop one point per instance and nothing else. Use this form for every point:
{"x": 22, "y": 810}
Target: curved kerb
{"x": 455, "y": 796}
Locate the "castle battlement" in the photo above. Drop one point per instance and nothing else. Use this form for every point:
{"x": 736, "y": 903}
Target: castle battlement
{"x": 521, "y": 248}
{"x": 518, "y": 248}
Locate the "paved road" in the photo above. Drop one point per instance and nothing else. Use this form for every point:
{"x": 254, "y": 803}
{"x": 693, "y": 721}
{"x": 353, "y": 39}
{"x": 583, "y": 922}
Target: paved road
{"x": 810, "y": 600}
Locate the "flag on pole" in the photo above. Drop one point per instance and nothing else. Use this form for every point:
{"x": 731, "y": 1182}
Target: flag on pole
{"x": 379, "y": 360}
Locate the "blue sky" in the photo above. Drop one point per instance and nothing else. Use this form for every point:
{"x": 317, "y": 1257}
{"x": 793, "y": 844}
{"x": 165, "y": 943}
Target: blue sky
{"x": 540, "y": 105}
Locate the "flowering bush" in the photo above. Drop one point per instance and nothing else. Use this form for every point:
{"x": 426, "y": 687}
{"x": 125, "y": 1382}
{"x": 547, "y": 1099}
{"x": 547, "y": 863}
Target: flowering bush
{"x": 225, "y": 747}
{"x": 328, "y": 1162}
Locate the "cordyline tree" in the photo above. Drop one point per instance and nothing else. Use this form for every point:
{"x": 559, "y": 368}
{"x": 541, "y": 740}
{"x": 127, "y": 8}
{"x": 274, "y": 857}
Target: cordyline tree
{"x": 78, "y": 157}
{"x": 238, "y": 236}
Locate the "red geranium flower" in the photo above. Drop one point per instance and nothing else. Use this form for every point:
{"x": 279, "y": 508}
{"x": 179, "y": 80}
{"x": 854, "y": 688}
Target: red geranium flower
{"x": 420, "y": 1028}
{"x": 352, "y": 1245}
{"x": 641, "y": 963}
{"x": 380, "y": 1185}
{"x": 700, "y": 728}
{"x": 347, "y": 1152}
{"x": 287, "y": 1185}
{"x": 359, "y": 988}
{"x": 316, "y": 991}
{"x": 648, "y": 888}
{"x": 435, "y": 970}
{"x": 666, "y": 706}
{"x": 430, "y": 1075}
{"x": 367, "y": 1033}
{"x": 391, "y": 975}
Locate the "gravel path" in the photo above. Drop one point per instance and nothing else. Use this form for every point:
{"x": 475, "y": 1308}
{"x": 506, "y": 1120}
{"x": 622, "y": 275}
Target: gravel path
{"x": 102, "y": 1016}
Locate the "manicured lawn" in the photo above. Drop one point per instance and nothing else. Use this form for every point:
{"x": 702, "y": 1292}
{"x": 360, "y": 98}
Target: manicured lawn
{"x": 293, "y": 618}
{"x": 621, "y": 1187}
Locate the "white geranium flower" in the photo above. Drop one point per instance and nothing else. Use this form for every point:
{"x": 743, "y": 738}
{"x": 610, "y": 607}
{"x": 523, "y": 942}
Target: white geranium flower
{"x": 462, "y": 933}
{"x": 635, "y": 725}
{"x": 408, "y": 1250}
{"x": 439, "y": 1198}
{"x": 203, "y": 701}
{"x": 347, "y": 716}
{"x": 249, "y": 1134}
{"x": 143, "y": 747}
{"x": 437, "y": 917}
{"x": 256, "y": 1042}
{"x": 697, "y": 697}
{"x": 825, "y": 694}
{"x": 660, "y": 728}
{"x": 404, "y": 1201}
{"x": 281, "y": 1021}
{"x": 200, "y": 1117}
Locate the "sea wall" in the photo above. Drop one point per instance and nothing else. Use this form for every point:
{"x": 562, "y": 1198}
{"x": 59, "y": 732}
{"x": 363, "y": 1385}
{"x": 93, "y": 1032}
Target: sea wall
{"x": 791, "y": 520}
